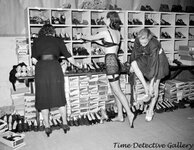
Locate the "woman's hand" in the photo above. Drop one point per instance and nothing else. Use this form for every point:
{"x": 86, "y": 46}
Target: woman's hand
{"x": 34, "y": 60}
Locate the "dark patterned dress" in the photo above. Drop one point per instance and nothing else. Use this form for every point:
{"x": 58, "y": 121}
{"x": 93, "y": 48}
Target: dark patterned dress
{"x": 151, "y": 63}
{"x": 49, "y": 78}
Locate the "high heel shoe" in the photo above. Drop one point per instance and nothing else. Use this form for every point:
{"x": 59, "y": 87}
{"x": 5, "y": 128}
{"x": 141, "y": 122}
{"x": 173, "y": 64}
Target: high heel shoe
{"x": 48, "y": 131}
{"x": 149, "y": 116}
{"x": 65, "y": 128}
{"x": 134, "y": 117}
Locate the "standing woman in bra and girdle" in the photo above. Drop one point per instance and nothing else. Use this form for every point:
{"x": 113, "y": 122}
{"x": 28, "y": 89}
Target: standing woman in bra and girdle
{"x": 110, "y": 39}
{"x": 49, "y": 78}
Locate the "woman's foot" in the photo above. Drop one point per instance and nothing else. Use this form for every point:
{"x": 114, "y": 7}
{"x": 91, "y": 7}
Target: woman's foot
{"x": 48, "y": 131}
{"x": 117, "y": 119}
{"x": 131, "y": 119}
{"x": 149, "y": 115}
{"x": 65, "y": 128}
{"x": 144, "y": 98}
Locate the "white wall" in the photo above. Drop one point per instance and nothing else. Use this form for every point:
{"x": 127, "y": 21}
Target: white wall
{"x": 7, "y": 60}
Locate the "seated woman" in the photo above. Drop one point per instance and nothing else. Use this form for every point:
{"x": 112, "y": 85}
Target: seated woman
{"x": 149, "y": 62}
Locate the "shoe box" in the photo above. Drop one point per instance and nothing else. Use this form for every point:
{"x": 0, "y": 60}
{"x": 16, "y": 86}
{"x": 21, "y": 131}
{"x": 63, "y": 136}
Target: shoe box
{"x": 14, "y": 140}
{"x": 186, "y": 55}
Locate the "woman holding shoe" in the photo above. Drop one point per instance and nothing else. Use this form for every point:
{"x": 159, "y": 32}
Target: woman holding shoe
{"x": 149, "y": 63}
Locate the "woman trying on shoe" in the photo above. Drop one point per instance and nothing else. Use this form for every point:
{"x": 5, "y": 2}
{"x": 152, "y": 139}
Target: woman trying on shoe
{"x": 110, "y": 39}
{"x": 49, "y": 78}
{"x": 149, "y": 61}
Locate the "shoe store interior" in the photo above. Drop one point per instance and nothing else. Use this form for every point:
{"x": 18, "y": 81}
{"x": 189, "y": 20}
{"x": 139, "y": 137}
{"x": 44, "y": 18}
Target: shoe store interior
{"x": 97, "y": 74}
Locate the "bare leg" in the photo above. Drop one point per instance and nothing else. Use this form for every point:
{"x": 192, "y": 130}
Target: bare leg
{"x": 120, "y": 110}
{"x": 45, "y": 115}
{"x": 140, "y": 76}
{"x": 117, "y": 91}
{"x": 63, "y": 112}
{"x": 150, "y": 112}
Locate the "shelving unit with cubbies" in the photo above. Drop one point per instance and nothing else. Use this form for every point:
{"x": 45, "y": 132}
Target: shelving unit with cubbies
{"x": 170, "y": 28}
{"x": 88, "y": 93}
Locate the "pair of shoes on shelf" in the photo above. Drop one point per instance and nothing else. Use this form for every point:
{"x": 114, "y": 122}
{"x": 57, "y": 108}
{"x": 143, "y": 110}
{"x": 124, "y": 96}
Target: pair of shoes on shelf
{"x": 149, "y": 115}
{"x": 48, "y": 131}
{"x": 64, "y": 36}
{"x": 164, "y": 22}
{"x": 179, "y": 35}
{"x": 146, "y": 8}
{"x": 165, "y": 35}
{"x": 135, "y": 22}
{"x": 180, "y": 22}
{"x": 150, "y": 22}
{"x": 176, "y": 8}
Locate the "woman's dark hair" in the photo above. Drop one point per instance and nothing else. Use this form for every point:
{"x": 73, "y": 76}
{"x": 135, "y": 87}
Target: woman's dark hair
{"x": 46, "y": 30}
{"x": 115, "y": 20}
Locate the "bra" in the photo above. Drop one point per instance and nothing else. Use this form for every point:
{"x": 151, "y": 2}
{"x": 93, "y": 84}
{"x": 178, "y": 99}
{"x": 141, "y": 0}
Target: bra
{"x": 105, "y": 43}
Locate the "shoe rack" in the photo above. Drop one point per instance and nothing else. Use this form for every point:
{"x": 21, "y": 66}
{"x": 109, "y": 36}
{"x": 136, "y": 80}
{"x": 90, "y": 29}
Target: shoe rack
{"x": 171, "y": 29}
{"x": 70, "y": 24}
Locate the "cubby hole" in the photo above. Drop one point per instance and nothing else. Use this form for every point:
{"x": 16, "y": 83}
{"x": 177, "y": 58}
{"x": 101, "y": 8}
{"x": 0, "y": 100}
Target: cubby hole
{"x": 166, "y": 33}
{"x": 179, "y": 43}
{"x": 34, "y": 32}
{"x": 181, "y": 33}
{"x": 80, "y": 17}
{"x": 97, "y": 50}
{"x": 191, "y": 33}
{"x": 152, "y": 19}
{"x": 191, "y": 43}
{"x": 167, "y": 19}
{"x": 135, "y": 18}
{"x": 167, "y": 46}
{"x": 61, "y": 17}
{"x": 182, "y": 20}
{"x": 64, "y": 33}
{"x": 80, "y": 49}
{"x": 79, "y": 32}
{"x": 39, "y": 16}
{"x": 191, "y": 20}
{"x": 97, "y": 18}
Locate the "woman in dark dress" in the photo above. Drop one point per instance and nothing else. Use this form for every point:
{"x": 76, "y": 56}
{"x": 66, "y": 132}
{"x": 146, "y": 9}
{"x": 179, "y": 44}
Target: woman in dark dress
{"x": 149, "y": 62}
{"x": 49, "y": 78}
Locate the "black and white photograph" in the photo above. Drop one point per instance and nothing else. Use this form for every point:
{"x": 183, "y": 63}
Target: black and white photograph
{"x": 97, "y": 75}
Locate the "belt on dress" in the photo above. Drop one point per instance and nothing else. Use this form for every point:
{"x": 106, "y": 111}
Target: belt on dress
{"x": 48, "y": 57}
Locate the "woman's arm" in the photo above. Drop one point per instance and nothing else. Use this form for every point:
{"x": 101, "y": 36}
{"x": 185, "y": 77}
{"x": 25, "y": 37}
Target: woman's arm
{"x": 73, "y": 62}
{"x": 95, "y": 37}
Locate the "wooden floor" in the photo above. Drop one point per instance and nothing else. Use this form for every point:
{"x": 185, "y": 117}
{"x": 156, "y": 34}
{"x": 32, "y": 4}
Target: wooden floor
{"x": 168, "y": 129}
